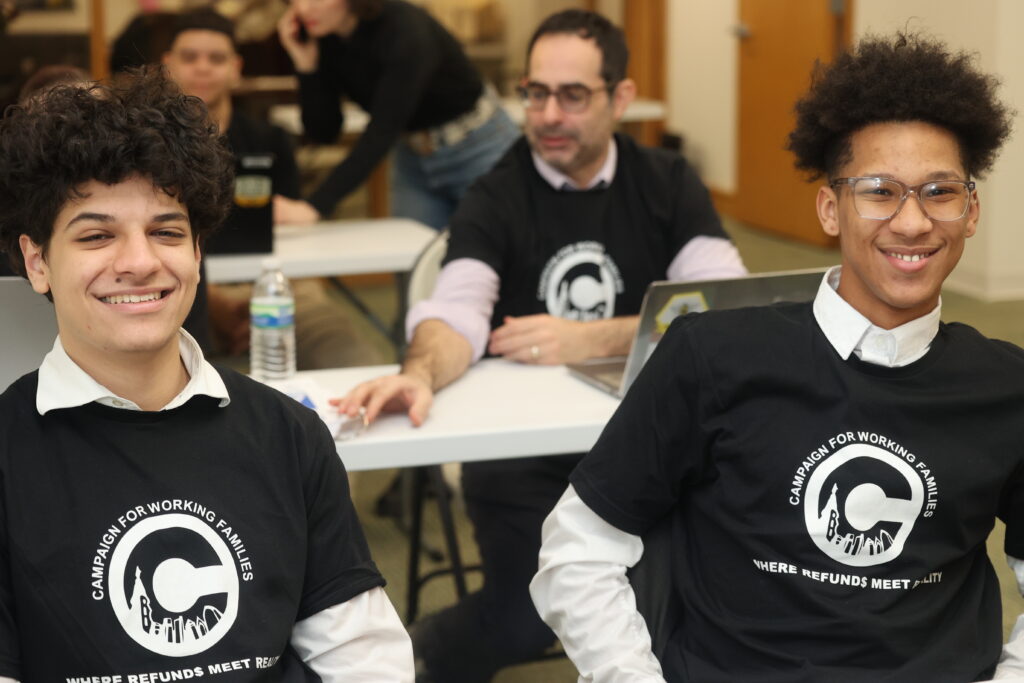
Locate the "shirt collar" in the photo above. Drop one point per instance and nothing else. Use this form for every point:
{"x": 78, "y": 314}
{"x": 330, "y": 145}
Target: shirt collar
{"x": 63, "y": 384}
{"x": 560, "y": 181}
{"x": 849, "y": 332}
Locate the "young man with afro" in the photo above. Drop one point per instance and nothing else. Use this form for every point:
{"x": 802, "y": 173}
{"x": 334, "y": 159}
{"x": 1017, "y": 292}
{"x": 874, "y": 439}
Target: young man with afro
{"x": 827, "y": 472}
{"x": 159, "y": 519}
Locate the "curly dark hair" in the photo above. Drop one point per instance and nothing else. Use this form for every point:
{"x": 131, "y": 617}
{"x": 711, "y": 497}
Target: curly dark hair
{"x": 591, "y": 25}
{"x": 905, "y": 77}
{"x": 52, "y": 144}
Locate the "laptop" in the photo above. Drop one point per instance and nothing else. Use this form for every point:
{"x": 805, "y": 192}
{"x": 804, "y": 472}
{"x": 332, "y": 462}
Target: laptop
{"x": 664, "y": 301}
{"x": 249, "y": 227}
{"x": 28, "y": 332}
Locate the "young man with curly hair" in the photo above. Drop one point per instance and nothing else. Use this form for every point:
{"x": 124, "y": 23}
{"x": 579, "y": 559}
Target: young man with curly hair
{"x": 827, "y": 473}
{"x": 162, "y": 520}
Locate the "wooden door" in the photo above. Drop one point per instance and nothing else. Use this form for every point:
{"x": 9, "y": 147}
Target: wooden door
{"x": 779, "y": 41}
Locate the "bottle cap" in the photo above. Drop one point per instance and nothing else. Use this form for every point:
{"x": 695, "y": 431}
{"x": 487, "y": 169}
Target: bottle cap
{"x": 270, "y": 263}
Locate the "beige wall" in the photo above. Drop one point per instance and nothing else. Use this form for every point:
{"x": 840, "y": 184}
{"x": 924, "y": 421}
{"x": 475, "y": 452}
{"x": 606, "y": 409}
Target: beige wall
{"x": 990, "y": 28}
{"x": 702, "y": 87}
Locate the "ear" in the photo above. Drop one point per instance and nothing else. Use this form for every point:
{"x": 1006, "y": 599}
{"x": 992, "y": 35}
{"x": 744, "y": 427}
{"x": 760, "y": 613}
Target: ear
{"x": 35, "y": 265}
{"x": 166, "y": 58}
{"x": 199, "y": 258}
{"x": 827, "y": 204}
{"x": 973, "y": 212}
{"x": 624, "y": 93}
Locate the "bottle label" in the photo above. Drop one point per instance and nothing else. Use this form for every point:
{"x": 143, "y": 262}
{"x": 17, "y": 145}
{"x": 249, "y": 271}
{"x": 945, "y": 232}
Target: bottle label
{"x": 272, "y": 313}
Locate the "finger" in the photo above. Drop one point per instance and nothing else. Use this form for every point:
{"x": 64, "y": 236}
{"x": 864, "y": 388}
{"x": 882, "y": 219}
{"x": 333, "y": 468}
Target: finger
{"x": 351, "y": 402}
{"x": 420, "y": 402}
{"x": 377, "y": 400}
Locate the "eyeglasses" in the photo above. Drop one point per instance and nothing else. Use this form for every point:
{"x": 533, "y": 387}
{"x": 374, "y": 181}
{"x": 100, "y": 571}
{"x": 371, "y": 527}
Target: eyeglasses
{"x": 572, "y": 98}
{"x": 880, "y": 199}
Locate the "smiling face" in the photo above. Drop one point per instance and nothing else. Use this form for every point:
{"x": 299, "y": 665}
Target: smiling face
{"x": 893, "y": 269}
{"x": 122, "y": 268}
{"x": 575, "y": 144}
{"x": 204, "y": 63}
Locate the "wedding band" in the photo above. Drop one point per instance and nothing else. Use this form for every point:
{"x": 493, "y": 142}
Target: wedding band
{"x": 534, "y": 352}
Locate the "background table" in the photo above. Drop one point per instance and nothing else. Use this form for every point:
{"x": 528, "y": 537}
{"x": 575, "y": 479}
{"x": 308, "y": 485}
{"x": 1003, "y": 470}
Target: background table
{"x": 331, "y": 248}
{"x": 338, "y": 248}
{"x": 498, "y": 409}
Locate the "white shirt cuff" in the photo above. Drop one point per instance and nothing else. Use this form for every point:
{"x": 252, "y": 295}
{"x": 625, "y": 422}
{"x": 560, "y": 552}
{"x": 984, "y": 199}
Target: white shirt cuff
{"x": 361, "y": 639}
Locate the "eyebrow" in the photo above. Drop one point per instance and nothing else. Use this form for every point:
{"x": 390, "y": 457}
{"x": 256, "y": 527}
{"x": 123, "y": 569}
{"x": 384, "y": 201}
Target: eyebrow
{"x": 107, "y": 218}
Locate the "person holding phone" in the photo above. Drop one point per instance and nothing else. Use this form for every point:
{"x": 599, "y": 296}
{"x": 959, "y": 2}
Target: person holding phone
{"x": 425, "y": 100}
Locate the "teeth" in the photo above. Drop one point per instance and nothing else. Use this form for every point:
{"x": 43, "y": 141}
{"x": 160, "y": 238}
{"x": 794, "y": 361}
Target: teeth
{"x": 908, "y": 257}
{"x": 130, "y": 298}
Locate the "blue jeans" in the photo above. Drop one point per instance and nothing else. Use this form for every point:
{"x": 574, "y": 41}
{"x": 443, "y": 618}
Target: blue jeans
{"x": 428, "y": 188}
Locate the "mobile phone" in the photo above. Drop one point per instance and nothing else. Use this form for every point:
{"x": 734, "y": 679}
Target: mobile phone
{"x": 302, "y": 35}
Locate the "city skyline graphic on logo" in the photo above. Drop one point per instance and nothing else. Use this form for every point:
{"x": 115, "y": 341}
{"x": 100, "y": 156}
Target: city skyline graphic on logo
{"x": 872, "y": 499}
{"x": 173, "y": 585}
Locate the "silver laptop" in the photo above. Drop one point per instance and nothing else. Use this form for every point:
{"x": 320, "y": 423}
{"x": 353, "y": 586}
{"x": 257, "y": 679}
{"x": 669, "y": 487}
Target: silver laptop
{"x": 28, "y": 330}
{"x": 664, "y": 301}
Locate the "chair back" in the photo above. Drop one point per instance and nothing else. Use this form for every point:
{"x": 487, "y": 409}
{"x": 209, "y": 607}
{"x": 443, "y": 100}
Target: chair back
{"x": 425, "y": 270}
{"x": 28, "y": 331}
{"x": 651, "y": 580}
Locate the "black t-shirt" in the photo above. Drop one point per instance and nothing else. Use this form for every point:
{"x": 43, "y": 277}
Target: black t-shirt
{"x": 404, "y": 69}
{"x": 186, "y": 542}
{"x": 247, "y": 136}
{"x": 582, "y": 255}
{"x": 829, "y": 517}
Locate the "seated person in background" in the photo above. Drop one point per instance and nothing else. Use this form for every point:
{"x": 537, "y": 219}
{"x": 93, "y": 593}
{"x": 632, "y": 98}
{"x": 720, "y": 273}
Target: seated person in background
{"x": 425, "y": 99}
{"x": 549, "y": 258}
{"x": 203, "y": 60}
{"x": 830, "y": 471}
{"x": 162, "y": 516}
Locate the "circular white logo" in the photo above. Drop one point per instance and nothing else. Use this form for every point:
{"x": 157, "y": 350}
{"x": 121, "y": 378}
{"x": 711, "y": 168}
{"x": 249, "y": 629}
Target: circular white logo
{"x": 173, "y": 585}
{"x": 866, "y": 523}
{"x": 580, "y": 282}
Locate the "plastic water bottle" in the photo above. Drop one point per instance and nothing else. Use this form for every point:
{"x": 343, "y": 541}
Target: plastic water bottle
{"x": 272, "y": 325}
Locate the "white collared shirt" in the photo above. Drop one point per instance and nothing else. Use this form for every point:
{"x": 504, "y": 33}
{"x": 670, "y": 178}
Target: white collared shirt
{"x": 560, "y": 181}
{"x": 63, "y": 384}
{"x": 849, "y": 332}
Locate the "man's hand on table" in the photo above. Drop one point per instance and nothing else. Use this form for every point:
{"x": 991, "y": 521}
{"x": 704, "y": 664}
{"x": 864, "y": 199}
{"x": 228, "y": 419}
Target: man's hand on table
{"x": 390, "y": 394}
{"x": 294, "y": 211}
{"x": 545, "y": 340}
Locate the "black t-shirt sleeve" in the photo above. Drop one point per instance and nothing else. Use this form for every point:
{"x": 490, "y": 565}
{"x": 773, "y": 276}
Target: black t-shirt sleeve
{"x": 655, "y": 444}
{"x": 693, "y": 214}
{"x": 480, "y": 226}
{"x": 338, "y": 563}
{"x": 1011, "y": 511}
{"x": 409, "y": 57}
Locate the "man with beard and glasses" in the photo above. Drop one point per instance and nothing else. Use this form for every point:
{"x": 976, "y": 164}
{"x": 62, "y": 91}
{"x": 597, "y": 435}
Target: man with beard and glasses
{"x": 549, "y": 258}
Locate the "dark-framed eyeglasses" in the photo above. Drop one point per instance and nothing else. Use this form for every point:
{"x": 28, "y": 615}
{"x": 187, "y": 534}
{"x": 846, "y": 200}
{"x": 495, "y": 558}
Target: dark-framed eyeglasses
{"x": 572, "y": 98}
{"x": 880, "y": 199}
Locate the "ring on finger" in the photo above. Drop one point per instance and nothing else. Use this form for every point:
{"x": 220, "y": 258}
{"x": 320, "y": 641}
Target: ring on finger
{"x": 534, "y": 352}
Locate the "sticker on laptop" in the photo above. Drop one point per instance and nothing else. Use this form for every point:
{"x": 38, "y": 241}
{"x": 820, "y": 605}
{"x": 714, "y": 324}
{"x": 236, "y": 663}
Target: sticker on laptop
{"x": 679, "y": 304}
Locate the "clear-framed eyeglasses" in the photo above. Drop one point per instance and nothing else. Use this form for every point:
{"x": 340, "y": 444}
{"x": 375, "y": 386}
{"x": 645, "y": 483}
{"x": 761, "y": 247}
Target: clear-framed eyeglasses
{"x": 572, "y": 98}
{"x": 880, "y": 199}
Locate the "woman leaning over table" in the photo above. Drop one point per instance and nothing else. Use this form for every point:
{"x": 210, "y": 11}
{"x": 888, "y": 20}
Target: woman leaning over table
{"x": 414, "y": 80}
